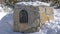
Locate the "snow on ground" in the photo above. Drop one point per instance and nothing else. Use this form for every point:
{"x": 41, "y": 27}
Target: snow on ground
{"x": 6, "y": 23}
{"x": 54, "y": 26}
{"x": 4, "y": 10}
{"x": 2, "y": 14}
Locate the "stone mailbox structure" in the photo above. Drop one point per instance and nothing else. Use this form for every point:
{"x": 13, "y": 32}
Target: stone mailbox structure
{"x": 29, "y": 17}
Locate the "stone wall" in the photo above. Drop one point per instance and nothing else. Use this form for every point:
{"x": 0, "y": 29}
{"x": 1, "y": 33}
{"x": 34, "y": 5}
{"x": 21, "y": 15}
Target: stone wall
{"x": 47, "y": 14}
{"x": 37, "y": 17}
{"x": 33, "y": 20}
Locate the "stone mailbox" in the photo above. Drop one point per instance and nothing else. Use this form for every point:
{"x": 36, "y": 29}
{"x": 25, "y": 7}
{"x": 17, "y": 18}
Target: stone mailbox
{"x": 27, "y": 16}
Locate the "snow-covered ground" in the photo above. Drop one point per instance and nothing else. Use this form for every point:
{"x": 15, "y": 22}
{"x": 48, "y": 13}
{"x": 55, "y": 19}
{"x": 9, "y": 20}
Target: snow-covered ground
{"x": 6, "y": 23}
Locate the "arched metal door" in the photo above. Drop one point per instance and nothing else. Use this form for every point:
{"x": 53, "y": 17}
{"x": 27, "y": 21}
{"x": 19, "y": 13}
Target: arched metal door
{"x": 23, "y": 16}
